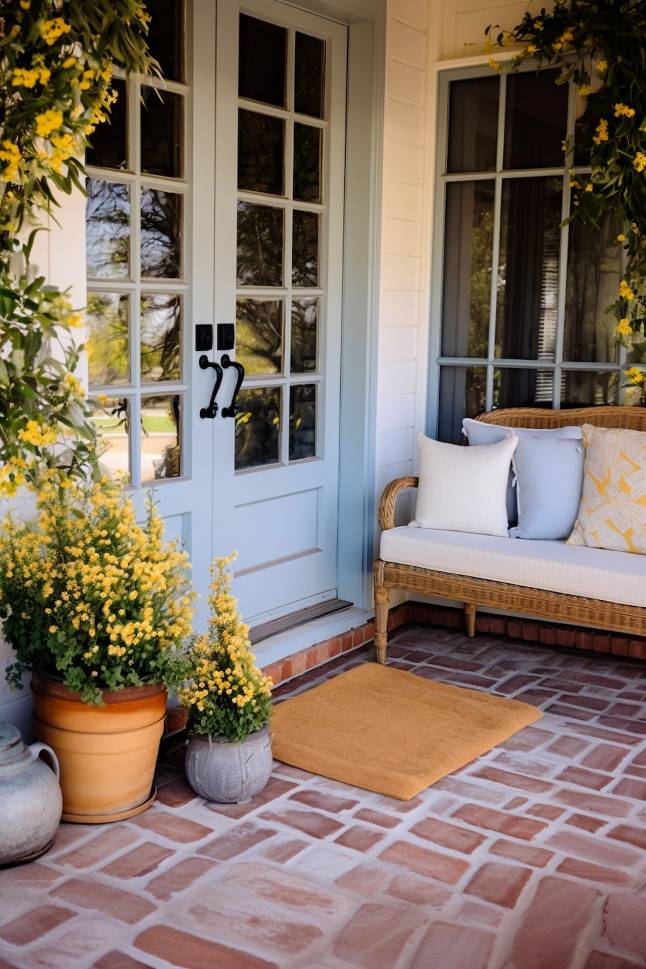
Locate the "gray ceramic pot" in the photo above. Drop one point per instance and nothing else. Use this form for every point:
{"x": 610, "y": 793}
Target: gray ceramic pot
{"x": 30, "y": 798}
{"x": 226, "y": 772}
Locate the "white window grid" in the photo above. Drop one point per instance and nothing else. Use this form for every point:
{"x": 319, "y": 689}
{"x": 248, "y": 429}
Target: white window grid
{"x": 134, "y": 286}
{"x": 557, "y": 366}
{"x": 288, "y": 292}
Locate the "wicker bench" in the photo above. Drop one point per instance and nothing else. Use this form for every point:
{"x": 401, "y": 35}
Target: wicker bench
{"x": 478, "y": 592}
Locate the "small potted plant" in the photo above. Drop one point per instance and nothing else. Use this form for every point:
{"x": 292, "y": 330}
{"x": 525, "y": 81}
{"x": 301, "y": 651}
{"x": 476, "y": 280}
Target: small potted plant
{"x": 98, "y": 610}
{"x": 228, "y": 757}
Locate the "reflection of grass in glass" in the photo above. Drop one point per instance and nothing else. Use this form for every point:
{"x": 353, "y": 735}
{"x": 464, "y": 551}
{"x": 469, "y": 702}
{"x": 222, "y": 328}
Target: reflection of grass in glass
{"x": 158, "y": 424}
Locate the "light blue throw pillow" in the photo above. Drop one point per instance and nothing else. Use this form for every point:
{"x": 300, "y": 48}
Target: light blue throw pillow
{"x": 549, "y": 480}
{"x": 479, "y": 432}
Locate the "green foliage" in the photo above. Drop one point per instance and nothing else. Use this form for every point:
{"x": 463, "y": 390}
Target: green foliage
{"x": 56, "y": 63}
{"x": 601, "y": 47}
{"x": 89, "y": 596}
{"x": 226, "y": 695}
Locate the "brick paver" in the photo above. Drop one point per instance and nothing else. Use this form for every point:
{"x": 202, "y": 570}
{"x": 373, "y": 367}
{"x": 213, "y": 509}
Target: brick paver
{"x": 531, "y": 857}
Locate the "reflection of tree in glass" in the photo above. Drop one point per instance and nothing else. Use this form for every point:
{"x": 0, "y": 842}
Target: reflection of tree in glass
{"x": 480, "y": 280}
{"x": 261, "y": 141}
{"x": 307, "y": 163}
{"x": 161, "y": 233}
{"x": 309, "y": 75}
{"x": 260, "y": 245}
{"x": 257, "y": 427}
{"x": 304, "y": 327}
{"x": 305, "y": 249}
{"x": 107, "y": 343}
{"x": 593, "y": 274}
{"x": 161, "y": 321}
{"x": 302, "y": 422}
{"x": 107, "y": 229}
{"x": 161, "y": 416}
{"x": 581, "y": 389}
{"x": 259, "y": 335}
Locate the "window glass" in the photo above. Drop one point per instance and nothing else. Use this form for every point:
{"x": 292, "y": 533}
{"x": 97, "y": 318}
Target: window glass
{"x": 166, "y": 36}
{"x": 262, "y": 70}
{"x": 462, "y": 394}
{"x": 535, "y": 120}
{"x": 468, "y": 249}
{"x": 580, "y": 388}
{"x": 520, "y": 387}
{"x": 108, "y": 342}
{"x": 162, "y": 133}
{"x": 257, "y": 427}
{"x": 593, "y": 275}
{"x": 309, "y": 75}
{"x": 528, "y": 268}
{"x": 108, "y": 146}
{"x": 107, "y": 230}
{"x": 261, "y": 147}
{"x": 160, "y": 437}
{"x": 473, "y": 124}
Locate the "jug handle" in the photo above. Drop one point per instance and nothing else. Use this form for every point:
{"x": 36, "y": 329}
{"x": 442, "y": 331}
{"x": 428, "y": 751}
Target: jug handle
{"x": 37, "y": 749}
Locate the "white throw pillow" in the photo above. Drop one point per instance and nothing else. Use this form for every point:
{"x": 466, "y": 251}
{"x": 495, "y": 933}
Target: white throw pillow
{"x": 463, "y": 489}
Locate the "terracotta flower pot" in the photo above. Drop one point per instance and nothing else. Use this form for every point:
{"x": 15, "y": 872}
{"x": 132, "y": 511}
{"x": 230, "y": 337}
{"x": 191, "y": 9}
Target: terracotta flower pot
{"x": 107, "y": 754}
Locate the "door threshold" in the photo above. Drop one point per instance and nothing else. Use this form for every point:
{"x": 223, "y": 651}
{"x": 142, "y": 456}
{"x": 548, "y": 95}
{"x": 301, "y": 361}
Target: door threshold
{"x": 293, "y": 619}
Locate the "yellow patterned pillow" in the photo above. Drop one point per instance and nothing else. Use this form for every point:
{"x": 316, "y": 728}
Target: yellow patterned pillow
{"x": 612, "y": 513}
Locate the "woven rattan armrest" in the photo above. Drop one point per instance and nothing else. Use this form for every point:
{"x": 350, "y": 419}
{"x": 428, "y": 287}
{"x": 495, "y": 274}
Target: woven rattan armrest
{"x": 389, "y": 500}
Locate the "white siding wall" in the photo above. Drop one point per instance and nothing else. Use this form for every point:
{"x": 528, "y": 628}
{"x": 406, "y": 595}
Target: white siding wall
{"x": 59, "y": 255}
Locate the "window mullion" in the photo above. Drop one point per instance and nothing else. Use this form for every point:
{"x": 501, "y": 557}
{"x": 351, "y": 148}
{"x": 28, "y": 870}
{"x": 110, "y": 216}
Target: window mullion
{"x": 495, "y": 256}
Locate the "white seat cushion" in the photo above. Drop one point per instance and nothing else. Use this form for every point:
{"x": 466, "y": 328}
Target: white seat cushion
{"x": 550, "y": 565}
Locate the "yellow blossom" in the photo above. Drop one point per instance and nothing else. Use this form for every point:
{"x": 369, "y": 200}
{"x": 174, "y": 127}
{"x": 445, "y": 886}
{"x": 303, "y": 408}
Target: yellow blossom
{"x": 11, "y": 156}
{"x": 635, "y": 376}
{"x": 601, "y": 133}
{"x": 601, "y": 66}
{"x": 621, "y": 237}
{"x": 589, "y": 187}
{"x": 494, "y": 64}
{"x": 48, "y": 121}
{"x": 623, "y": 110}
{"x": 37, "y": 434}
{"x": 639, "y": 162}
{"x": 623, "y": 327}
{"x": 51, "y": 30}
{"x": 625, "y": 292}
{"x": 69, "y": 62}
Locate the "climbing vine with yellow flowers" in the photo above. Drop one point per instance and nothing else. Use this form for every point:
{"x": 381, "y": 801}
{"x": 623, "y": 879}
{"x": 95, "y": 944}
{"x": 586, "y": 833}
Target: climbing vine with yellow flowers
{"x": 601, "y": 48}
{"x": 56, "y": 63}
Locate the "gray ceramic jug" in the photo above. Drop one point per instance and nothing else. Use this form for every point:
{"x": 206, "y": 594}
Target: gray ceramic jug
{"x": 30, "y": 798}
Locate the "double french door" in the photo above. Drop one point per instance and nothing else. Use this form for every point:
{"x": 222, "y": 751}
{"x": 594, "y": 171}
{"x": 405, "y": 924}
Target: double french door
{"x": 214, "y": 241}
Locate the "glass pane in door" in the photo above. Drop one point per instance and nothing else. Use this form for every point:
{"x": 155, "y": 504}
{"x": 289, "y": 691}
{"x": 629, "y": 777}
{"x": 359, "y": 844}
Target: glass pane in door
{"x": 262, "y": 70}
{"x": 309, "y": 81}
{"x": 258, "y": 427}
{"x": 259, "y": 335}
{"x": 261, "y": 148}
{"x": 108, "y": 341}
{"x": 260, "y": 245}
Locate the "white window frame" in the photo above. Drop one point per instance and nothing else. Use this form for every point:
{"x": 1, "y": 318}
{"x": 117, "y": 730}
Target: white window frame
{"x": 558, "y": 366}
{"x": 134, "y": 287}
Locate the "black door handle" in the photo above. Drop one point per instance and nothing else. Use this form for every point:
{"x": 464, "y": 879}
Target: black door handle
{"x": 212, "y": 408}
{"x": 227, "y": 362}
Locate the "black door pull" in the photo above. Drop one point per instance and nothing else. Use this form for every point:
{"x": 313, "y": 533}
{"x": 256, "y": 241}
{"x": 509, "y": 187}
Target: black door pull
{"x": 212, "y": 408}
{"x": 227, "y": 362}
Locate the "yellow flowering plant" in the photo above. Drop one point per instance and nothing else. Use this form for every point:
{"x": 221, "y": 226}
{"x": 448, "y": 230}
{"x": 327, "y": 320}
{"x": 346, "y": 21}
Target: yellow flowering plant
{"x": 226, "y": 695}
{"x": 56, "y": 63}
{"x": 90, "y": 596}
{"x": 601, "y": 47}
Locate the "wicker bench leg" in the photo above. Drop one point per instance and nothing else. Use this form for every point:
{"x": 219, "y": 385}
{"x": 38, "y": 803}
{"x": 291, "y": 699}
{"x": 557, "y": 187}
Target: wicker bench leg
{"x": 382, "y": 605}
{"x": 470, "y": 609}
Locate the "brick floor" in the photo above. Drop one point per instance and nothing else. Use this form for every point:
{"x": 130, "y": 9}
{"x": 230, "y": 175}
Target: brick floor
{"x": 532, "y": 857}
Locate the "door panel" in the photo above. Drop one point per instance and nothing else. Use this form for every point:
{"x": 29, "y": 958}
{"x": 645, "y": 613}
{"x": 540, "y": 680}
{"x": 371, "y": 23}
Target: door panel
{"x": 142, "y": 299}
{"x": 279, "y": 170}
